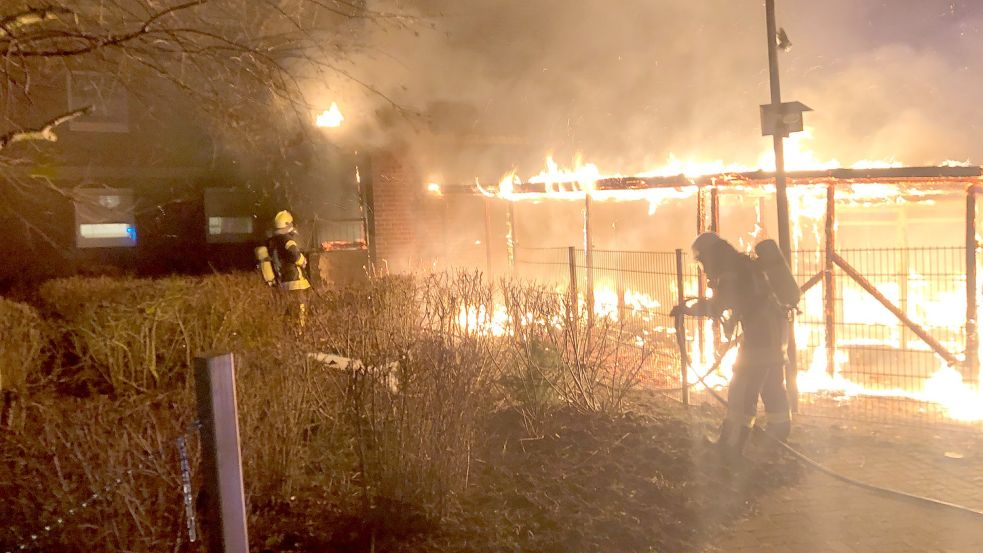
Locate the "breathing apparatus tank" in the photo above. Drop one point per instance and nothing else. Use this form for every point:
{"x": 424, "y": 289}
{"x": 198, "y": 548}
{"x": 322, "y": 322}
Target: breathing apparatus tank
{"x": 265, "y": 265}
{"x": 776, "y": 269}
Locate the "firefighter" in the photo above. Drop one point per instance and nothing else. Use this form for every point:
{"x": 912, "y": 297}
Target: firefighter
{"x": 743, "y": 295}
{"x": 289, "y": 264}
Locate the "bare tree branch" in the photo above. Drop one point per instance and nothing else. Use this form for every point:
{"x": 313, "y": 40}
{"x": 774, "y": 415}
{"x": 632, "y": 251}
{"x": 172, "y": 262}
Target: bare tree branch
{"x": 31, "y": 16}
{"x": 45, "y": 132}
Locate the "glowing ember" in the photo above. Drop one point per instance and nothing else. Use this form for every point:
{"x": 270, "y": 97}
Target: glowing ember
{"x": 434, "y": 189}
{"x": 331, "y": 117}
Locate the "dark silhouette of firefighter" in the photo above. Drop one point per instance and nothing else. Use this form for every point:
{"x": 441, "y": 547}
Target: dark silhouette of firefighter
{"x": 283, "y": 264}
{"x": 756, "y": 293}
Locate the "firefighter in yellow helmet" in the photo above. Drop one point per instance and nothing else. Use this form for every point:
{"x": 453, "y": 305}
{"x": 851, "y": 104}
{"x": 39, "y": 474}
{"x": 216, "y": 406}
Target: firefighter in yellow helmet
{"x": 289, "y": 263}
{"x": 742, "y": 290}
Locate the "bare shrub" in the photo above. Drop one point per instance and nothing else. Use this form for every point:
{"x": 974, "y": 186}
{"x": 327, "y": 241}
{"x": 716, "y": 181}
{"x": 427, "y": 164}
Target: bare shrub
{"x": 420, "y": 383}
{"x": 564, "y": 353}
{"x": 24, "y": 339}
{"x": 294, "y": 437}
{"x": 94, "y": 474}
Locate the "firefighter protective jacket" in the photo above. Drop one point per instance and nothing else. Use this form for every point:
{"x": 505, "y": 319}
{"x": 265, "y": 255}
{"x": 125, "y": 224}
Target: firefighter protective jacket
{"x": 289, "y": 262}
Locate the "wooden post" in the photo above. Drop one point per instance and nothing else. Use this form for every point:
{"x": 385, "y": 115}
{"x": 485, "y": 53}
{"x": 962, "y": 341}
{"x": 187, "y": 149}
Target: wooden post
{"x": 715, "y": 227}
{"x": 510, "y": 236}
{"x": 588, "y": 254}
{"x": 829, "y": 282}
{"x": 366, "y": 207}
{"x": 701, "y": 284}
{"x": 224, "y": 516}
{"x": 972, "y": 372}
{"x": 681, "y": 331}
{"x": 488, "y": 241}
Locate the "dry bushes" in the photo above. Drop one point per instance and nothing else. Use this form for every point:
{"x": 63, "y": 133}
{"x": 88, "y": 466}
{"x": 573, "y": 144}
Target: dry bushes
{"x": 565, "y": 355}
{"x": 419, "y": 384}
{"x": 131, "y": 336}
{"x": 291, "y": 428}
{"x": 94, "y": 474}
{"x": 394, "y": 429}
{"x": 23, "y": 337}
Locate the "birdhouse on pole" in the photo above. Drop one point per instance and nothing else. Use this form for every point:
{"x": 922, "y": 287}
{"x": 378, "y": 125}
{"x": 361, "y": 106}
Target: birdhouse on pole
{"x": 784, "y": 120}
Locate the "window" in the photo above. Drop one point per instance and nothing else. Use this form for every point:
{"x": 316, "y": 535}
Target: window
{"x": 229, "y": 216}
{"x": 106, "y": 95}
{"x": 104, "y": 218}
{"x": 229, "y": 225}
{"x": 107, "y": 230}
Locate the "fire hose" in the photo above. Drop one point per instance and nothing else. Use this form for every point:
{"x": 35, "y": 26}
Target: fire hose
{"x": 880, "y": 490}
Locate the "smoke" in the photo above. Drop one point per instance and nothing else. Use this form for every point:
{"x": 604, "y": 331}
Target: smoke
{"x": 629, "y": 83}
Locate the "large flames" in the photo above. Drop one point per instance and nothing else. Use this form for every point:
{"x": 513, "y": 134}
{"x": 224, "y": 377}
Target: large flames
{"x": 934, "y": 309}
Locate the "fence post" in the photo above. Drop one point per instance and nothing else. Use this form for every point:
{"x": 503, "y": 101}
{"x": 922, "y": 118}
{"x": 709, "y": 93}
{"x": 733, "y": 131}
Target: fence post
{"x": 715, "y": 227}
{"x": 972, "y": 325}
{"x": 224, "y": 516}
{"x": 829, "y": 282}
{"x": 681, "y": 331}
{"x": 488, "y": 241}
{"x": 588, "y": 255}
{"x": 572, "y": 263}
{"x": 701, "y": 284}
{"x": 510, "y": 236}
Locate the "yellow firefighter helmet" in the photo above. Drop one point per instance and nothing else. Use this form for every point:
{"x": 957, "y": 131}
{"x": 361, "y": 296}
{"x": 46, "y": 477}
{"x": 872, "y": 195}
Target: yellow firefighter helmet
{"x": 283, "y": 223}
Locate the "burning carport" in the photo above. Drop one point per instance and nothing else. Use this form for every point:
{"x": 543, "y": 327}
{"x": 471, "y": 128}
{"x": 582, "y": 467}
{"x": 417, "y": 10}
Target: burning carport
{"x": 888, "y": 259}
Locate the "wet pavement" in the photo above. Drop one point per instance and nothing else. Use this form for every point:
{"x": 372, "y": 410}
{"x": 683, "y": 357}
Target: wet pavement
{"x": 823, "y": 514}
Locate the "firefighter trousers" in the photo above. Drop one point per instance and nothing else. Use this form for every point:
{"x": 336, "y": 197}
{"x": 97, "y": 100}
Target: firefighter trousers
{"x": 758, "y": 373}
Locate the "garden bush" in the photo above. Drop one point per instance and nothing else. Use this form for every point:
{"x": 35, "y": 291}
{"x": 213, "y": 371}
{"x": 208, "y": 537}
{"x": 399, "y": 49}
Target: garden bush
{"x": 134, "y": 335}
{"x": 22, "y": 346}
{"x": 390, "y": 430}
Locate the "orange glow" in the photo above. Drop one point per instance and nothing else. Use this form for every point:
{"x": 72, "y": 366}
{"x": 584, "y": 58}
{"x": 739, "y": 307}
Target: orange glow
{"x": 331, "y": 117}
{"x": 435, "y": 189}
{"x": 929, "y": 304}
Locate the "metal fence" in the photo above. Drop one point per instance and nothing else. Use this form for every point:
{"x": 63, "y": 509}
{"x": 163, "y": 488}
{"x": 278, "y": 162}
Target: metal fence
{"x": 909, "y": 364}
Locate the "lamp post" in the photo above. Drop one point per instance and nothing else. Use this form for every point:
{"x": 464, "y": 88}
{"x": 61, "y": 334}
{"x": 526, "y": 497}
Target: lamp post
{"x": 778, "y": 120}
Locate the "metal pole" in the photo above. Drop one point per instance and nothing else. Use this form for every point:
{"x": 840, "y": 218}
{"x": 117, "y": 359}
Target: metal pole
{"x": 572, "y": 264}
{"x": 224, "y": 516}
{"x": 829, "y": 284}
{"x": 589, "y": 253}
{"x": 972, "y": 309}
{"x": 681, "y": 331}
{"x": 784, "y": 240}
{"x": 779, "y": 137}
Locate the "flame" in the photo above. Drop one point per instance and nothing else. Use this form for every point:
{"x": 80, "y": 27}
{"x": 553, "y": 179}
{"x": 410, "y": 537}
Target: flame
{"x": 926, "y": 302}
{"x": 330, "y": 117}
{"x": 435, "y": 189}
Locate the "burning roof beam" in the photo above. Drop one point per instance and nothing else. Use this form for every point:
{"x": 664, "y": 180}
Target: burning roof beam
{"x": 929, "y": 176}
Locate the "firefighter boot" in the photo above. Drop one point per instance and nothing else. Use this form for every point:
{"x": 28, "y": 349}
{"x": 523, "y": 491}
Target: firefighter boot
{"x": 722, "y": 437}
{"x": 733, "y": 448}
{"x": 778, "y": 425}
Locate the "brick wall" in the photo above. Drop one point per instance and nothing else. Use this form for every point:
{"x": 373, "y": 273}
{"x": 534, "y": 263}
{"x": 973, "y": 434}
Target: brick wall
{"x": 410, "y": 228}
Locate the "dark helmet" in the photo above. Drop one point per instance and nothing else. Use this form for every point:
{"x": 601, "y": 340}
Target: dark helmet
{"x": 713, "y": 252}
{"x": 705, "y": 245}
